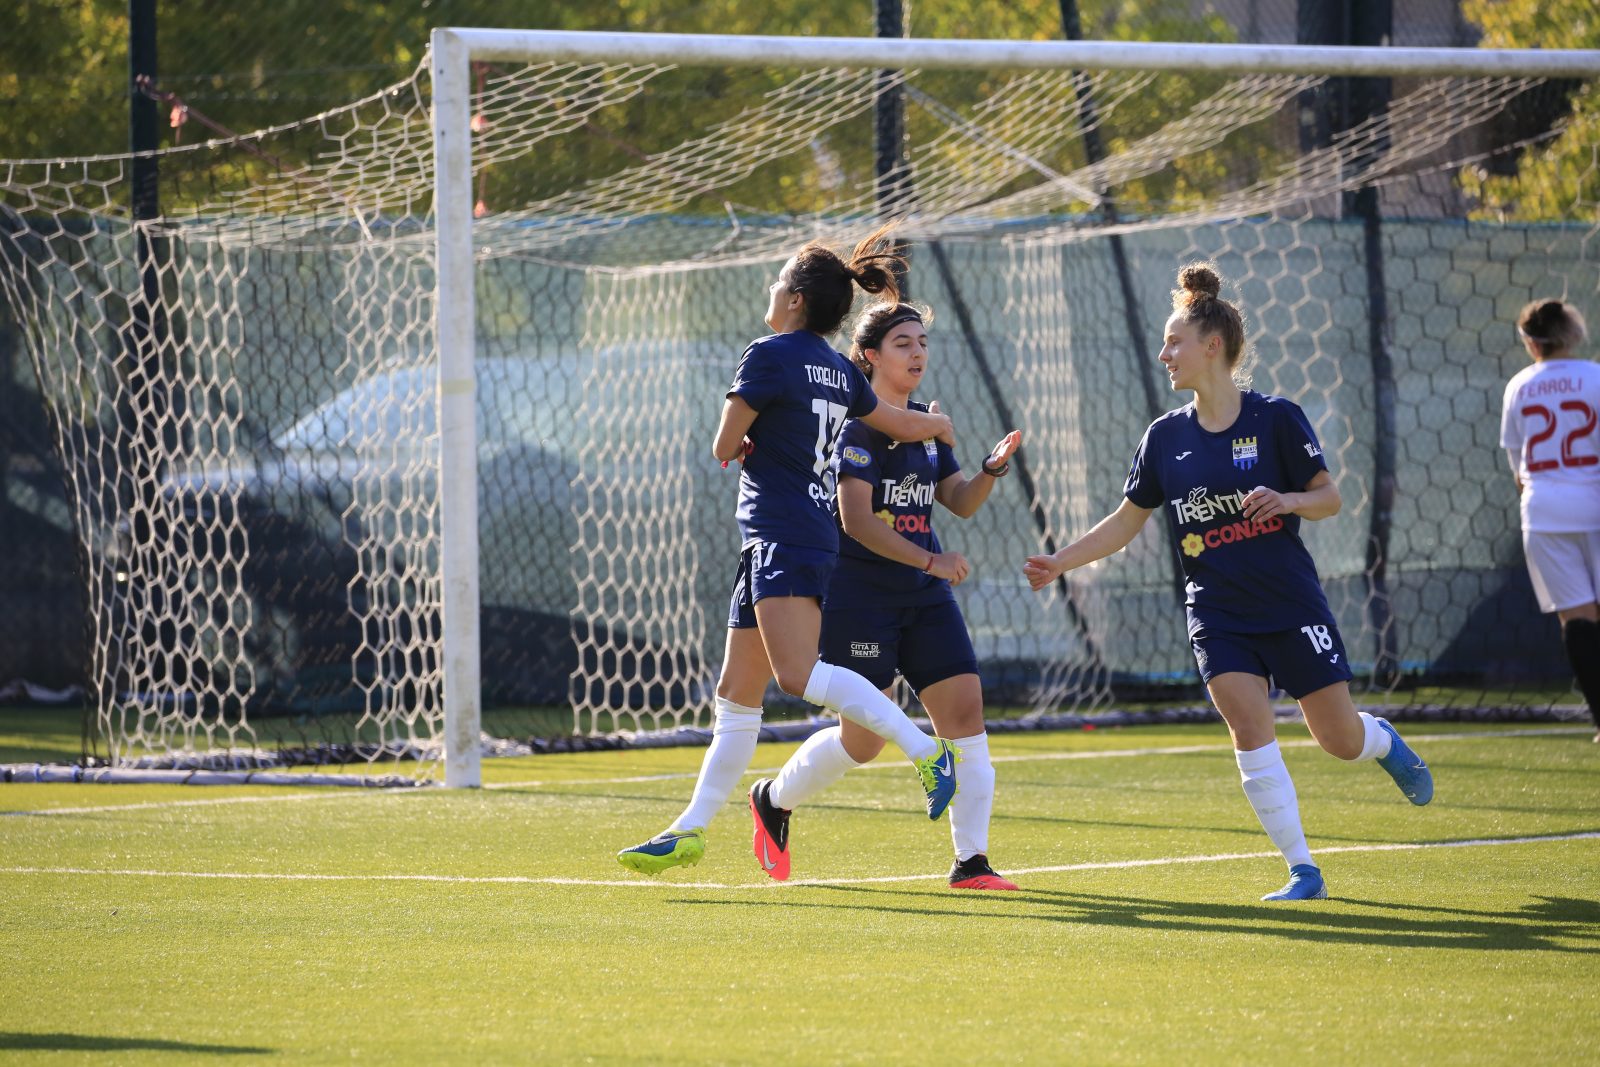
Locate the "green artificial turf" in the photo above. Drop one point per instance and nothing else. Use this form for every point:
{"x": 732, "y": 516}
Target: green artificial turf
{"x": 433, "y": 926}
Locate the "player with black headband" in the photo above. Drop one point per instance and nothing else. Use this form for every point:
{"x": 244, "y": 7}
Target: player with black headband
{"x": 890, "y": 608}
{"x": 790, "y": 396}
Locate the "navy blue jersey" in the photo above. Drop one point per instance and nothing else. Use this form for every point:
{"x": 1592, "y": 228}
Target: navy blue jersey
{"x": 1240, "y": 576}
{"x": 802, "y": 392}
{"x": 903, "y": 478}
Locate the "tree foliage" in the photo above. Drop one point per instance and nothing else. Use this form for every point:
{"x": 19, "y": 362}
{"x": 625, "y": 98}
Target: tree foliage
{"x": 64, "y": 79}
{"x": 1556, "y": 178}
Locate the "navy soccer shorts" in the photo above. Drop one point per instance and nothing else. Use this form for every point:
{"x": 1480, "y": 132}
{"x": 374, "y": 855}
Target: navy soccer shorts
{"x": 926, "y": 644}
{"x": 770, "y": 569}
{"x": 1296, "y": 661}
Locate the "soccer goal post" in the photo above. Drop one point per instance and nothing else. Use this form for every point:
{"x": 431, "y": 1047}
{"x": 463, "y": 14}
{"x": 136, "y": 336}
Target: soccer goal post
{"x": 455, "y": 50}
{"x": 388, "y": 435}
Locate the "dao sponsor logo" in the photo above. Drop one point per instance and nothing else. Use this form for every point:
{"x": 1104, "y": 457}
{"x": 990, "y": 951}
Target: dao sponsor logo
{"x": 856, "y": 457}
{"x": 864, "y": 649}
{"x": 1244, "y": 452}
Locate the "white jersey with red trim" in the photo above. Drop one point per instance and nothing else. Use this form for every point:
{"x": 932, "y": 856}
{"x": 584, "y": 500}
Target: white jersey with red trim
{"x": 1550, "y": 428}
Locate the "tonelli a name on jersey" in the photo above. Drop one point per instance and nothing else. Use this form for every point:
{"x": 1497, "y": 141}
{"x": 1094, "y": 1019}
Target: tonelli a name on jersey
{"x": 832, "y": 377}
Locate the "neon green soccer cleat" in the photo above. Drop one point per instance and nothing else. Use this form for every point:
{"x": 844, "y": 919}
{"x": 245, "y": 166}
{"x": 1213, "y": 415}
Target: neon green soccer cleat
{"x": 938, "y": 775}
{"x": 673, "y": 848}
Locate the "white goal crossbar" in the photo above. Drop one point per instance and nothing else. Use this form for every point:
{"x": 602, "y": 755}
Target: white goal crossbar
{"x": 453, "y": 52}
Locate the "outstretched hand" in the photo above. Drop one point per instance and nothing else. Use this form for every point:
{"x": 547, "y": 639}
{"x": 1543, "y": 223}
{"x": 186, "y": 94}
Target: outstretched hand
{"x": 1041, "y": 571}
{"x": 1001, "y": 454}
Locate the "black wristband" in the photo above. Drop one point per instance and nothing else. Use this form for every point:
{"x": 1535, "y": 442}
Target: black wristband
{"x": 996, "y": 472}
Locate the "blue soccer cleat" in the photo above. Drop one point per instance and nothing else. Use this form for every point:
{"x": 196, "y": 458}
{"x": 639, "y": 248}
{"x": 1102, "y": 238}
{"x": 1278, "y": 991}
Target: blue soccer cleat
{"x": 938, "y": 774}
{"x": 1406, "y": 768}
{"x": 1305, "y": 883}
{"x": 674, "y": 848}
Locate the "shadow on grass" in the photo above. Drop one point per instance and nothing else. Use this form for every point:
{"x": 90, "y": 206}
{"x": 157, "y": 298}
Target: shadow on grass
{"x": 96, "y": 1043}
{"x": 1546, "y": 924}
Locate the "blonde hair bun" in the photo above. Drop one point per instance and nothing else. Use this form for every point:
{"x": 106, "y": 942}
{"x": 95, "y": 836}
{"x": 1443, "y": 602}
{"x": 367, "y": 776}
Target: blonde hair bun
{"x": 1200, "y": 281}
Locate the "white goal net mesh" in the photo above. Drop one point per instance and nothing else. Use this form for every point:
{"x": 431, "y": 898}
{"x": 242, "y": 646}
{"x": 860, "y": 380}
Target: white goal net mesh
{"x": 243, "y": 389}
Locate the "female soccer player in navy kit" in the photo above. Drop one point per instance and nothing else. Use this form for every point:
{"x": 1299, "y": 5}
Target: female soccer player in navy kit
{"x": 1548, "y": 427}
{"x": 790, "y": 396}
{"x": 1238, "y": 471}
{"x": 889, "y": 606}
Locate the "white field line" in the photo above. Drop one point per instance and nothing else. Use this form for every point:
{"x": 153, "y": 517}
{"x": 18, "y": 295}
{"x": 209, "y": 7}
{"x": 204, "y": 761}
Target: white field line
{"x": 1043, "y": 757}
{"x": 888, "y": 764}
{"x": 1164, "y": 861}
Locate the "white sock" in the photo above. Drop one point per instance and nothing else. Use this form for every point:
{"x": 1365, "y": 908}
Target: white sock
{"x": 815, "y": 765}
{"x": 1376, "y": 743}
{"x": 970, "y": 810}
{"x": 733, "y": 746}
{"x": 843, "y": 690}
{"x": 1271, "y": 793}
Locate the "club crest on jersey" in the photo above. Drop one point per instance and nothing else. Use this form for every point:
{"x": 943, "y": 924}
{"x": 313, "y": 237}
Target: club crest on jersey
{"x": 1244, "y": 452}
{"x": 931, "y": 447}
{"x": 856, "y": 457}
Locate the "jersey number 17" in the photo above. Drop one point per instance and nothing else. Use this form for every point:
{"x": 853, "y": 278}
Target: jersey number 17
{"x": 830, "y": 417}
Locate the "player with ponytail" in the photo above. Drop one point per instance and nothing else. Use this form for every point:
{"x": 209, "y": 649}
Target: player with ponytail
{"x": 889, "y": 608}
{"x": 1236, "y": 471}
{"x": 790, "y": 397}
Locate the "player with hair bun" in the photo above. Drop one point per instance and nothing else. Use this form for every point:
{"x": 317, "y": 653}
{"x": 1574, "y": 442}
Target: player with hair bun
{"x": 1548, "y": 427}
{"x": 790, "y": 396}
{"x": 1236, "y": 471}
{"x": 889, "y": 607}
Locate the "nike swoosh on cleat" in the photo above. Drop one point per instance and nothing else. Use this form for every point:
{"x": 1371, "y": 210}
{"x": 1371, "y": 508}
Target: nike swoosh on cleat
{"x": 766, "y": 858}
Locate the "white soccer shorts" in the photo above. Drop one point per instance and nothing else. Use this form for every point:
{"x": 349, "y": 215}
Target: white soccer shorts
{"x": 1565, "y": 568}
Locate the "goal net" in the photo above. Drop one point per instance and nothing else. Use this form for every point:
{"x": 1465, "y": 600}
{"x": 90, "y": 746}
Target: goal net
{"x": 245, "y": 390}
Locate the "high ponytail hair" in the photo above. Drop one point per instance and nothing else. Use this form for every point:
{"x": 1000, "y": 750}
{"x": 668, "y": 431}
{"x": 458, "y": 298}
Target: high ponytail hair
{"x": 828, "y": 282}
{"x": 1198, "y": 300}
{"x": 1552, "y": 326}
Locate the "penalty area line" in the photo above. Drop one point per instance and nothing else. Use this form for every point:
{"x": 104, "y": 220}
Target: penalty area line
{"x": 469, "y": 879}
